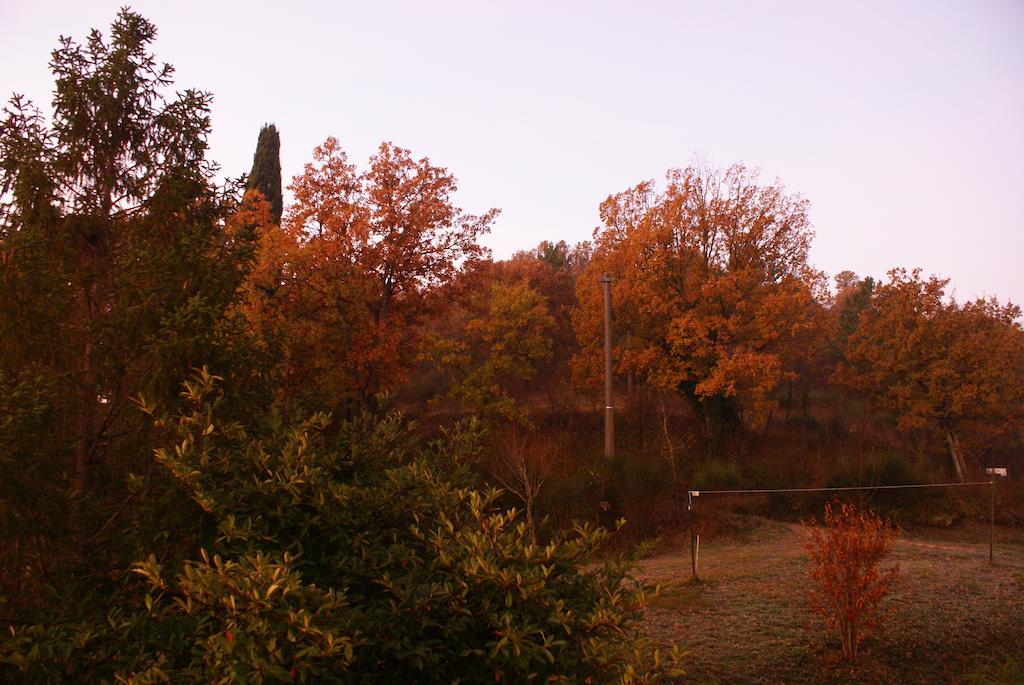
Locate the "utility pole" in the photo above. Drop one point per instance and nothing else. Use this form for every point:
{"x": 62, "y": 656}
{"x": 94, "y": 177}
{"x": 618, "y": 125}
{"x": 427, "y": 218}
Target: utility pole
{"x": 609, "y": 418}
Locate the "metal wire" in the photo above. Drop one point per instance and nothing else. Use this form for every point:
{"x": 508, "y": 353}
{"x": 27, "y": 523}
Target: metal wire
{"x": 695, "y": 538}
{"x": 699, "y": 493}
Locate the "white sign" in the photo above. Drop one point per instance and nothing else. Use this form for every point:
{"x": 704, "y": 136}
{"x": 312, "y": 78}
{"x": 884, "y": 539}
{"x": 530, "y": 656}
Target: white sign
{"x": 999, "y": 471}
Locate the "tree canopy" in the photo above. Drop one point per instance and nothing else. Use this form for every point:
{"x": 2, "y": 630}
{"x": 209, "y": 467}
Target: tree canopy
{"x": 938, "y": 364}
{"x": 712, "y": 287}
{"x": 364, "y": 258}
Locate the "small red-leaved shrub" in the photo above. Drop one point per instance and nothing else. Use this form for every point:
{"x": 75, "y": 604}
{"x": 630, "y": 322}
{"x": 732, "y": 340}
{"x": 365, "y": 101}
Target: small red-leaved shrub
{"x": 847, "y": 583}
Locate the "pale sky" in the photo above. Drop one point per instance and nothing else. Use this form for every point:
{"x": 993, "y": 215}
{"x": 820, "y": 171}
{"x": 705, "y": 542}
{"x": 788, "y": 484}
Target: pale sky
{"x": 901, "y": 122}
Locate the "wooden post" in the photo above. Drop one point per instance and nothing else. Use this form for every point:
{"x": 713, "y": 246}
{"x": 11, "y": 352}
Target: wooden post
{"x": 609, "y": 419}
{"x": 629, "y": 376}
{"x": 991, "y": 519}
{"x": 994, "y": 473}
{"x": 693, "y": 531}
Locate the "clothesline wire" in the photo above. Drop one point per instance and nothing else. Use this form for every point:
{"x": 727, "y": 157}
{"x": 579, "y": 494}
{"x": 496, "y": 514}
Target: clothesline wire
{"x": 842, "y": 489}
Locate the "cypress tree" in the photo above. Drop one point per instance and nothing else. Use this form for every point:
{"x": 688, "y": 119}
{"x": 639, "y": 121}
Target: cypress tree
{"x": 266, "y": 169}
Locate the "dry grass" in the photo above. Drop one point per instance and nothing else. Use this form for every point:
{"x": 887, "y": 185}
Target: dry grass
{"x": 747, "y": 620}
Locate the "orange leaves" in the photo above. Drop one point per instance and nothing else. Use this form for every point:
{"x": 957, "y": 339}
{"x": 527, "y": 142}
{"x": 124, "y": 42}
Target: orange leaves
{"x": 396, "y": 221}
{"x": 252, "y": 212}
{"x": 936, "y": 363}
{"x": 712, "y": 291}
{"x": 849, "y": 585}
{"x": 361, "y": 259}
{"x": 743, "y": 371}
{"x": 325, "y": 195}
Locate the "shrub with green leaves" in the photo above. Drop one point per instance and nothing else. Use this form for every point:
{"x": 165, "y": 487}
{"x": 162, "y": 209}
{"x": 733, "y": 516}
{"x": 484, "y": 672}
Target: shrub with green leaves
{"x": 352, "y": 555}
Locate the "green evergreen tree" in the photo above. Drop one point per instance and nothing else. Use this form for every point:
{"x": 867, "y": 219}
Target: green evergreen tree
{"x": 266, "y": 170}
{"x": 119, "y": 267}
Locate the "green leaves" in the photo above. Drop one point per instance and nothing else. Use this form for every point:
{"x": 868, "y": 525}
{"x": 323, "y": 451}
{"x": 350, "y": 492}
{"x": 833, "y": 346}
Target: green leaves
{"x": 500, "y": 350}
{"x": 349, "y": 561}
{"x": 118, "y": 274}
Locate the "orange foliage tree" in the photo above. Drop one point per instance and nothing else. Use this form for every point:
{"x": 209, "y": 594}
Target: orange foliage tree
{"x": 711, "y": 283}
{"x": 938, "y": 365}
{"x": 848, "y": 584}
{"x": 360, "y": 260}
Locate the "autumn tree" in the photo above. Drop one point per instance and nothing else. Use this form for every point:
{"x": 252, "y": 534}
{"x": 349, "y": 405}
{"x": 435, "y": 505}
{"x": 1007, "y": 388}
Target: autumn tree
{"x": 364, "y": 257}
{"x": 712, "y": 290}
{"x": 265, "y": 175}
{"x": 939, "y": 366}
{"x": 822, "y": 345}
{"x": 306, "y": 307}
{"x": 117, "y": 270}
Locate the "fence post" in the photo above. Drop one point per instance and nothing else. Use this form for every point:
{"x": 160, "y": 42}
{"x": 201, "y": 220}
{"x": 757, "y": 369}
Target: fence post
{"x": 994, "y": 473}
{"x": 991, "y": 519}
{"x": 693, "y": 529}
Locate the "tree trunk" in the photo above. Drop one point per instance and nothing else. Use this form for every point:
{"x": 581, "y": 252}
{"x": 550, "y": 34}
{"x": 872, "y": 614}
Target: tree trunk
{"x": 956, "y": 455}
{"x": 670, "y": 451}
{"x": 789, "y": 405}
{"x": 85, "y": 402}
{"x": 93, "y": 265}
{"x": 640, "y": 411}
{"x": 83, "y": 435}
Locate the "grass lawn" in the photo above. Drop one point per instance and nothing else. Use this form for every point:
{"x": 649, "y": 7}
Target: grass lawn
{"x": 747, "y": 620}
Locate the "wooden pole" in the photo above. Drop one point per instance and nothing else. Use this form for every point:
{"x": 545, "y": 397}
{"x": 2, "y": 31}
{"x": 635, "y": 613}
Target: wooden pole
{"x": 629, "y": 376}
{"x": 991, "y": 519}
{"x": 609, "y": 419}
{"x": 693, "y": 532}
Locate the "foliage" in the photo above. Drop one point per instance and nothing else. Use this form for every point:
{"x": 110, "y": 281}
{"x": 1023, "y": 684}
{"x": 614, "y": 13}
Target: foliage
{"x": 120, "y": 262}
{"x": 853, "y": 298}
{"x": 498, "y": 352}
{"x": 353, "y": 549}
{"x": 712, "y": 291}
{"x": 265, "y": 175}
{"x": 32, "y": 501}
{"x": 714, "y": 474}
{"x": 350, "y": 561}
{"x": 552, "y": 270}
{"x": 936, "y": 364}
{"x": 522, "y": 466}
{"x": 361, "y": 260}
{"x": 848, "y": 584}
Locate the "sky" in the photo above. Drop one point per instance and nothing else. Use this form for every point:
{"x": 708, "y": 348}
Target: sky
{"x": 901, "y": 122}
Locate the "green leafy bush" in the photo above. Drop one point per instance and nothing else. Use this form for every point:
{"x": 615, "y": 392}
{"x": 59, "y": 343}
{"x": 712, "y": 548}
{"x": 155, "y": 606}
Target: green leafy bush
{"x": 353, "y": 558}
